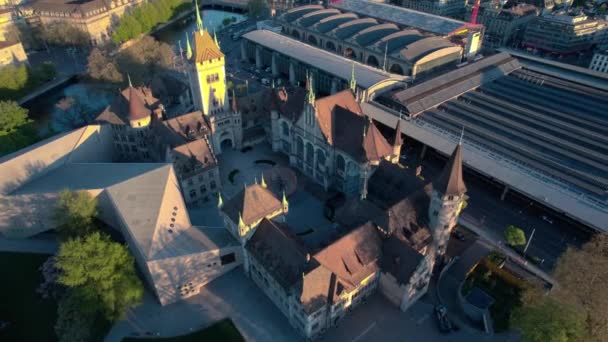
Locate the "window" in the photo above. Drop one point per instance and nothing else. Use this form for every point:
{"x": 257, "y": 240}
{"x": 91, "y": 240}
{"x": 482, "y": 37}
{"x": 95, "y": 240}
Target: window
{"x": 227, "y": 259}
{"x": 192, "y": 193}
{"x": 435, "y": 213}
{"x": 213, "y": 185}
{"x": 203, "y": 188}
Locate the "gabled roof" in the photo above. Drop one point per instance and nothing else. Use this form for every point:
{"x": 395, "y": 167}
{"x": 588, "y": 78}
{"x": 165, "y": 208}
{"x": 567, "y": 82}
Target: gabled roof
{"x": 133, "y": 103}
{"x": 281, "y": 253}
{"x": 450, "y": 182}
{"x": 289, "y": 102}
{"x": 355, "y": 135}
{"x": 137, "y": 108}
{"x": 375, "y": 145}
{"x": 253, "y": 203}
{"x": 194, "y": 154}
{"x": 325, "y": 108}
{"x": 205, "y": 48}
{"x": 183, "y": 128}
{"x": 354, "y": 256}
{"x": 399, "y": 259}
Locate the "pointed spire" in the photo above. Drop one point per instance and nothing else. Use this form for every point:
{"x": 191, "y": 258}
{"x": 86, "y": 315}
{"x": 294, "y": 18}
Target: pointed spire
{"x": 273, "y": 83}
{"x": 353, "y": 81}
{"x": 256, "y": 180}
{"x": 450, "y": 182}
{"x": 284, "y": 201}
{"x": 129, "y": 78}
{"x": 220, "y": 200}
{"x": 215, "y": 39}
{"x": 241, "y": 222}
{"x": 398, "y": 139}
{"x": 188, "y": 47}
{"x": 311, "y": 92}
{"x": 199, "y": 21}
{"x": 263, "y": 183}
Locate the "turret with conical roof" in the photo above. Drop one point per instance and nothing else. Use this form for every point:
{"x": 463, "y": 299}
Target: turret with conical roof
{"x": 446, "y": 200}
{"x": 450, "y": 182}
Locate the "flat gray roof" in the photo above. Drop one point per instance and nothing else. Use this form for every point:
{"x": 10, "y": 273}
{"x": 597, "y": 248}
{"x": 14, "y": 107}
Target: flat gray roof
{"x": 401, "y": 16}
{"x": 328, "y": 62}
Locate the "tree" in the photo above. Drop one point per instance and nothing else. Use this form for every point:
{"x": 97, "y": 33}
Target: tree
{"x": 101, "y": 68}
{"x": 75, "y": 213}
{"x": 515, "y": 236}
{"x": 582, "y": 275}
{"x": 75, "y": 318}
{"x": 145, "y": 59}
{"x": 256, "y": 7}
{"x": 16, "y": 130}
{"x": 546, "y": 319}
{"x": 64, "y": 34}
{"x": 103, "y": 273}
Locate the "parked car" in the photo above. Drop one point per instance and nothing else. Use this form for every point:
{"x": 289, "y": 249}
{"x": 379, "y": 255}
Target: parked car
{"x": 268, "y": 70}
{"x": 265, "y": 81}
{"x": 443, "y": 322}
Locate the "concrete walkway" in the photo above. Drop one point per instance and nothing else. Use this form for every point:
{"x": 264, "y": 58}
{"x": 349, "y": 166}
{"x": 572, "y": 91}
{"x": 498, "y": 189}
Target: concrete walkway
{"x": 497, "y": 242}
{"x": 40, "y": 246}
{"x": 232, "y": 295}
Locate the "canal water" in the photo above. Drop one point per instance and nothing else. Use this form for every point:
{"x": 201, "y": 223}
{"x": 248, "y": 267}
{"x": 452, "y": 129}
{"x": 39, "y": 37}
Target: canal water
{"x": 71, "y": 105}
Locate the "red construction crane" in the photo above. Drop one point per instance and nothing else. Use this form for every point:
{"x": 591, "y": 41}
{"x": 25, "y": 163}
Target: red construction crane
{"x": 475, "y": 12}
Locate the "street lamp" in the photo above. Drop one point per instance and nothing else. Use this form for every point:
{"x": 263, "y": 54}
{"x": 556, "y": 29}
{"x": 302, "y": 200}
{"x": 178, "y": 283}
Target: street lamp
{"x": 529, "y": 240}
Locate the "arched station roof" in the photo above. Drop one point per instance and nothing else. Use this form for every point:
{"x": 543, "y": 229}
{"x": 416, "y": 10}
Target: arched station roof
{"x": 330, "y": 23}
{"x": 312, "y": 18}
{"x": 351, "y": 28}
{"x": 297, "y": 12}
{"x": 398, "y": 40}
{"x": 374, "y": 33}
{"x": 423, "y": 47}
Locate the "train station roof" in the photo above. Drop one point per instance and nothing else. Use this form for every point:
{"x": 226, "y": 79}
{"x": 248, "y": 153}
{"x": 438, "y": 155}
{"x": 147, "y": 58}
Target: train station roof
{"x": 400, "y": 16}
{"x": 340, "y": 67}
{"x": 544, "y": 135}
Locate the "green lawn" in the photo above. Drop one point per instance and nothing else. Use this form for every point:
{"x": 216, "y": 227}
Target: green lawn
{"x": 222, "y": 331}
{"x": 31, "y": 317}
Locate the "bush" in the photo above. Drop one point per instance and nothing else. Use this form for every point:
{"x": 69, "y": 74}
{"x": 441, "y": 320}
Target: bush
{"x": 17, "y": 81}
{"x": 515, "y": 236}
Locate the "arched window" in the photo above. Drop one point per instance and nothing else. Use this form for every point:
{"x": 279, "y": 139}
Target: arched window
{"x": 330, "y": 46}
{"x": 320, "y": 158}
{"x": 371, "y": 60}
{"x": 285, "y": 128}
{"x": 309, "y": 153}
{"x": 340, "y": 163}
{"x": 312, "y": 40}
{"x": 396, "y": 69}
{"x": 300, "y": 147}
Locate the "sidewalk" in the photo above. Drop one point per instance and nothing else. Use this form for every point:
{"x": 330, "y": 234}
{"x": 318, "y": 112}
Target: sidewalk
{"x": 496, "y": 242}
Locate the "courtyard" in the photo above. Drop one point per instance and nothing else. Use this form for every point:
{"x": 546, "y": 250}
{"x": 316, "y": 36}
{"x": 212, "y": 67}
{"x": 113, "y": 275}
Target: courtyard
{"x": 305, "y": 215}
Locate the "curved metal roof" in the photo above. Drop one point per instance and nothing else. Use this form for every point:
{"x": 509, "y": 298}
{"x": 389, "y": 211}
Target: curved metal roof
{"x": 398, "y": 40}
{"x": 297, "y": 12}
{"x": 423, "y": 47}
{"x": 351, "y": 28}
{"x": 334, "y": 21}
{"x": 312, "y": 18}
{"x": 375, "y": 33}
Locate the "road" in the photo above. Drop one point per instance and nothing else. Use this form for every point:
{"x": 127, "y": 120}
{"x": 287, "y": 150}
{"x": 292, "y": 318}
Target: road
{"x": 486, "y": 210}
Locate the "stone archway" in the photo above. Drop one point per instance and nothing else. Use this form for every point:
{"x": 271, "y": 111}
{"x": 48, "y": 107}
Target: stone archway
{"x": 396, "y": 69}
{"x": 330, "y": 46}
{"x": 312, "y": 40}
{"x": 350, "y": 53}
{"x": 295, "y": 34}
{"x": 226, "y": 144}
{"x": 371, "y": 60}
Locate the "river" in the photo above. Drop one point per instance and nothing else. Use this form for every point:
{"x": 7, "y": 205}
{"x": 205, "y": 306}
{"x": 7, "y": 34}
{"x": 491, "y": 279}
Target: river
{"x": 87, "y": 99}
